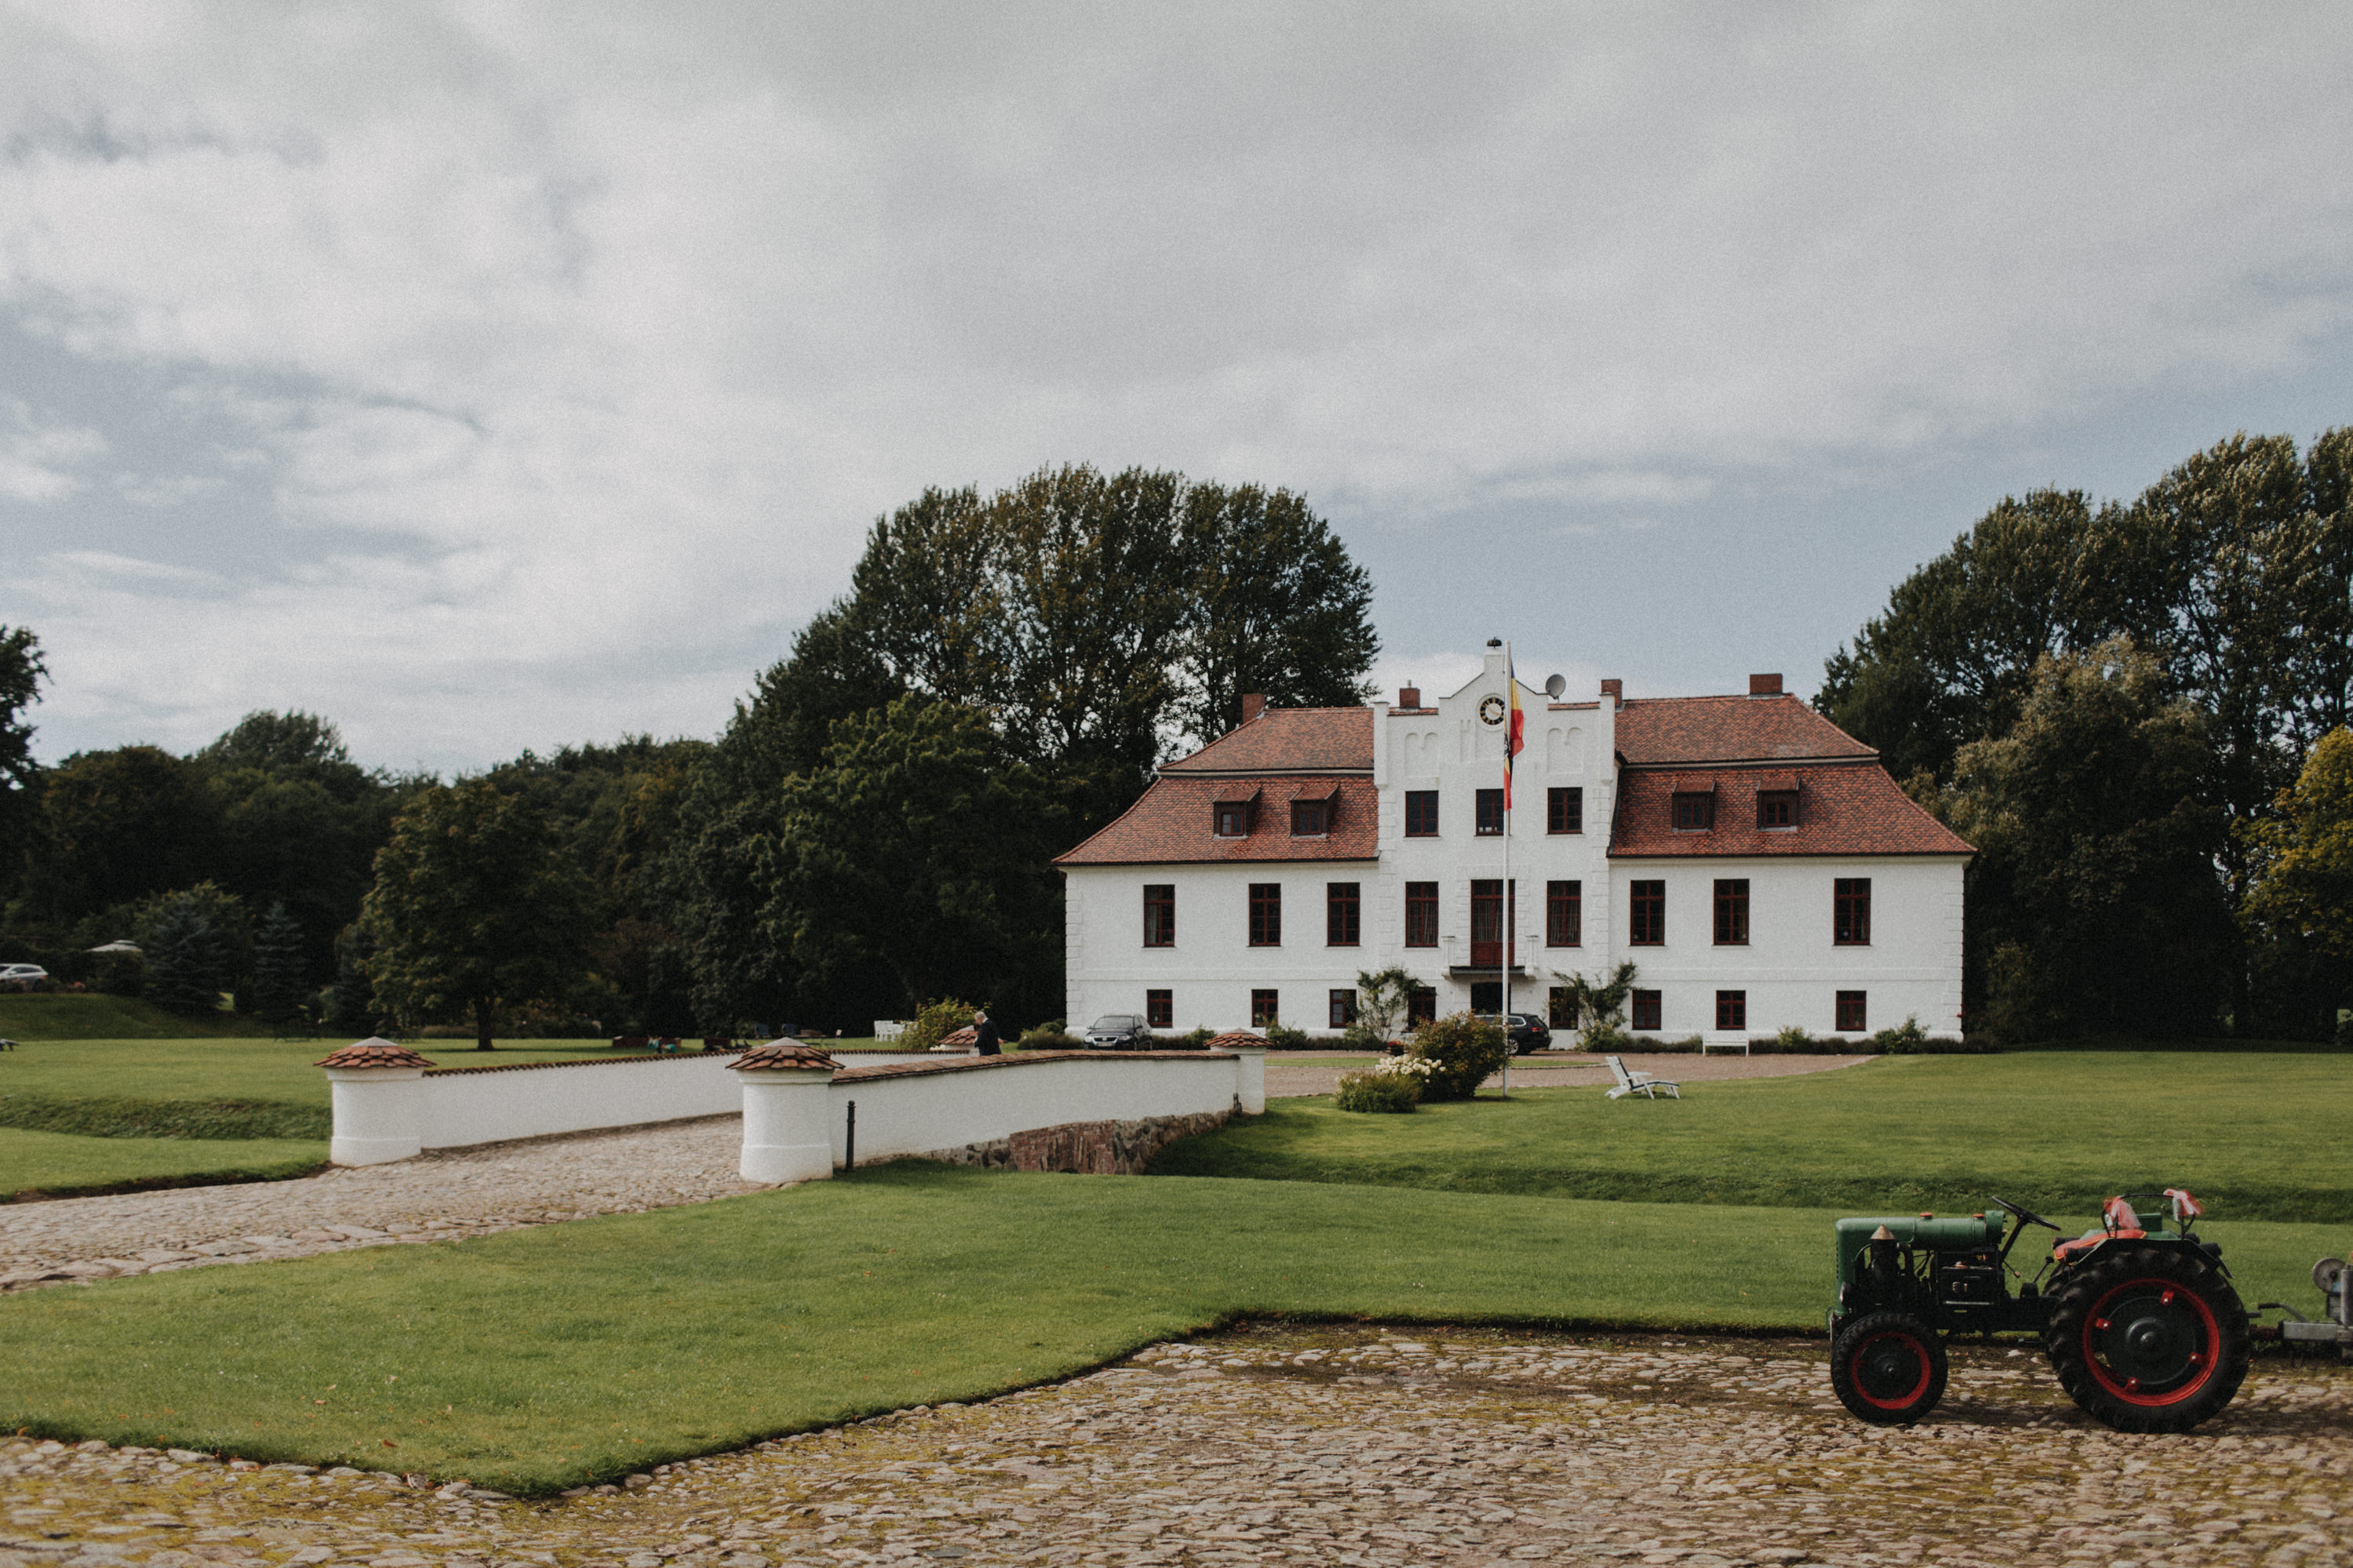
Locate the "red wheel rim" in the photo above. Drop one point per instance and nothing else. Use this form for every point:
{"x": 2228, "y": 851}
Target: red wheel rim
{"x": 2133, "y": 1342}
{"x": 1873, "y": 1361}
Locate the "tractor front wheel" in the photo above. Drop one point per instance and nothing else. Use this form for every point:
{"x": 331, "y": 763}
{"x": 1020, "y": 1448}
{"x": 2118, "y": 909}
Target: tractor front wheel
{"x": 2148, "y": 1338}
{"x": 1888, "y": 1368}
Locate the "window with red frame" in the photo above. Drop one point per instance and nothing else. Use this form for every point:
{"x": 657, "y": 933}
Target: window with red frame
{"x": 1851, "y": 912}
{"x": 1266, "y": 914}
{"x": 1420, "y": 1007}
{"x": 1563, "y": 914}
{"x": 1342, "y": 912}
{"x": 1343, "y": 1008}
{"x": 1646, "y": 914}
{"x": 1732, "y": 911}
{"x": 1776, "y": 808}
{"x": 1160, "y": 915}
{"x": 1159, "y": 1010}
{"x": 1309, "y": 818}
{"x": 1646, "y": 1010}
{"x": 1851, "y": 1012}
{"x": 1488, "y": 813}
{"x": 1732, "y": 1009}
{"x": 1421, "y": 813}
{"x": 1694, "y": 811}
{"x": 1563, "y": 1013}
{"x": 1233, "y": 821}
{"x": 1422, "y": 914}
{"x": 1265, "y": 1012}
{"x": 1565, "y": 810}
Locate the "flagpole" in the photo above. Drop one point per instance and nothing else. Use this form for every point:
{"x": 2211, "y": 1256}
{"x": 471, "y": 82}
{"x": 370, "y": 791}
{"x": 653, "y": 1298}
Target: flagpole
{"x": 1510, "y": 905}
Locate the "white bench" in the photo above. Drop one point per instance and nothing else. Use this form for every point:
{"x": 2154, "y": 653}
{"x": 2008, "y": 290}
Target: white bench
{"x": 1723, "y": 1043}
{"x": 1645, "y": 1084}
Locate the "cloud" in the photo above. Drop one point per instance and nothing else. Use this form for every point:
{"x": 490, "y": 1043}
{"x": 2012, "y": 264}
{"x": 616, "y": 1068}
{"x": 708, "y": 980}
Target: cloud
{"x": 40, "y": 462}
{"x": 576, "y": 351}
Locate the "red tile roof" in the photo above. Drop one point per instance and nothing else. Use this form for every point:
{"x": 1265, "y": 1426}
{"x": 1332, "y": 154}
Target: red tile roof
{"x": 1236, "y": 1040}
{"x": 782, "y": 1056}
{"x": 1290, "y": 741}
{"x": 1843, "y": 808}
{"x": 1670, "y": 730}
{"x": 1173, "y": 824}
{"x": 376, "y": 1051}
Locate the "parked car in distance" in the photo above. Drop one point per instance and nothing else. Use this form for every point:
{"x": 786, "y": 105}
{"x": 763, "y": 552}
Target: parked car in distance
{"x": 1528, "y": 1032}
{"x": 1120, "y": 1031}
{"x": 21, "y": 976}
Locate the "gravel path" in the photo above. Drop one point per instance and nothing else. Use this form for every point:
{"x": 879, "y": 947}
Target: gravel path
{"x": 1295, "y": 1075}
{"x": 500, "y": 1188}
{"x": 1329, "y": 1445}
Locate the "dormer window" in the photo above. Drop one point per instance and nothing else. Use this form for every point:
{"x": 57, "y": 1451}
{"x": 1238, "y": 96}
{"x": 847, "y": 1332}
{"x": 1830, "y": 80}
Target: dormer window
{"x": 1695, "y": 811}
{"x": 1776, "y": 808}
{"x": 1310, "y": 819}
{"x": 1233, "y": 819}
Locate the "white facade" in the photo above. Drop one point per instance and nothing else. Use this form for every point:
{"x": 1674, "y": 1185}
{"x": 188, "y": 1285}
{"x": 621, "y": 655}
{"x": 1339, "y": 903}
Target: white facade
{"x": 1790, "y": 970}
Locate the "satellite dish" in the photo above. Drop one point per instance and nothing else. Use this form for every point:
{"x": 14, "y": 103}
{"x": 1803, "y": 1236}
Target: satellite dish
{"x": 1555, "y": 684}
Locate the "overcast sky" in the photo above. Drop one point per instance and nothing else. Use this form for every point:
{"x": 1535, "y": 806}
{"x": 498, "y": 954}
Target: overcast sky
{"x": 485, "y": 376}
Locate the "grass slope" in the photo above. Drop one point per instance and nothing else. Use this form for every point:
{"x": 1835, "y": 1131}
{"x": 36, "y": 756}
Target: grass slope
{"x": 68, "y": 1016}
{"x": 539, "y": 1359}
{"x": 226, "y": 1069}
{"x": 2257, "y": 1136}
{"x": 59, "y": 1164}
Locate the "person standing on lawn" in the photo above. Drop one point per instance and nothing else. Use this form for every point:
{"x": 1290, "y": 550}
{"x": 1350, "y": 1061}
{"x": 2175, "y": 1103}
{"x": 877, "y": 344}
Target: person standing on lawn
{"x": 985, "y": 1041}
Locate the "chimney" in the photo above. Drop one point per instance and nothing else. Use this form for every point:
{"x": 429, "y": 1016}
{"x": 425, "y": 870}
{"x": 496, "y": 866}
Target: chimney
{"x": 1615, "y": 690}
{"x": 1764, "y": 686}
{"x": 1409, "y": 696}
{"x": 1252, "y": 703}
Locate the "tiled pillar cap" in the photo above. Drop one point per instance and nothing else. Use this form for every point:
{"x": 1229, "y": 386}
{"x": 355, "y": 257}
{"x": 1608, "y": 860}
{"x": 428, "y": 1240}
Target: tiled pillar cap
{"x": 1236, "y": 1040}
{"x": 375, "y": 1052}
{"x": 783, "y": 1055}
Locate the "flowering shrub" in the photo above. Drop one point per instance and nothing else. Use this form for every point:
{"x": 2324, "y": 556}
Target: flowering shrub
{"x": 1379, "y": 1091}
{"x": 1415, "y": 1066}
{"x": 1462, "y": 1051}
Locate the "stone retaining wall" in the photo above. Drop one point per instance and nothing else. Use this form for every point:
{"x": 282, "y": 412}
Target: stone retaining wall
{"x": 1087, "y": 1148}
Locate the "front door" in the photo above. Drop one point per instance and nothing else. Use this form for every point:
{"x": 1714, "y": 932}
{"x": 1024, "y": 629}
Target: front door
{"x": 1487, "y": 923}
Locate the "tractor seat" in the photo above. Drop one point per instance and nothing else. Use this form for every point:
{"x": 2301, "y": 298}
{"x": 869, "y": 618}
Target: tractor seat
{"x": 2066, "y": 1250}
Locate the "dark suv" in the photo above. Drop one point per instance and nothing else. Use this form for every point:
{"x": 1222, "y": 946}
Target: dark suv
{"x": 1528, "y": 1032}
{"x": 1120, "y": 1031}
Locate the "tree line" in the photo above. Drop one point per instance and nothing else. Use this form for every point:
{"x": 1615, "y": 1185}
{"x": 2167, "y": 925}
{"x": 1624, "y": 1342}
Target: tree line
{"x": 873, "y": 828}
{"x": 2121, "y": 704}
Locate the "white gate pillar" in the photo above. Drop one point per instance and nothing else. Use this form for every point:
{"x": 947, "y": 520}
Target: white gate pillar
{"x": 1249, "y": 1068}
{"x": 377, "y": 1090}
{"x": 787, "y": 1097}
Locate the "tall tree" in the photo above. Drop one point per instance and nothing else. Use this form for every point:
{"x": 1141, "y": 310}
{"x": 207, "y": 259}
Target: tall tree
{"x": 921, "y": 848}
{"x": 2301, "y": 861}
{"x": 1952, "y": 657}
{"x": 1275, "y": 605}
{"x": 21, "y": 672}
{"x": 2093, "y": 905}
{"x": 116, "y": 826}
{"x": 188, "y": 962}
{"x": 476, "y": 905}
{"x": 281, "y": 969}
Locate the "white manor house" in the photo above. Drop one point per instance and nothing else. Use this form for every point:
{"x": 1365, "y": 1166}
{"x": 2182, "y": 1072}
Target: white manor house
{"x": 1753, "y": 859}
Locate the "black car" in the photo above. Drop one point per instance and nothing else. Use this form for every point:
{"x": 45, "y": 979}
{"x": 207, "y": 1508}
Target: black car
{"x": 1120, "y": 1031}
{"x": 1528, "y": 1032}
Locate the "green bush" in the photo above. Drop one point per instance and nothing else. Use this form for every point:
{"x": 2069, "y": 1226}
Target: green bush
{"x": 1604, "y": 1038}
{"x": 933, "y": 1022}
{"x": 1906, "y": 1039}
{"x": 1794, "y": 1040}
{"x": 1283, "y": 1038}
{"x": 1042, "y": 1038}
{"x": 1379, "y": 1093}
{"x": 1466, "y": 1051}
{"x": 1200, "y": 1037}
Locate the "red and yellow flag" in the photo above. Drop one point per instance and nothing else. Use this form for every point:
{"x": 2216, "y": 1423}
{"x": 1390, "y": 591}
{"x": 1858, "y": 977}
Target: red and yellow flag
{"x": 1515, "y": 736}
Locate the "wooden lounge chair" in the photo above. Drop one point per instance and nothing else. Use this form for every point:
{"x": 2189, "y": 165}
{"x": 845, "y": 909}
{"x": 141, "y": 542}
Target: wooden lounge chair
{"x": 1645, "y": 1084}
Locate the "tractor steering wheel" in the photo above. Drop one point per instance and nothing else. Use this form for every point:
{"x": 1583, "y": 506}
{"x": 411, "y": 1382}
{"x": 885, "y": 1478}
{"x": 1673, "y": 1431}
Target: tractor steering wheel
{"x": 2026, "y": 1216}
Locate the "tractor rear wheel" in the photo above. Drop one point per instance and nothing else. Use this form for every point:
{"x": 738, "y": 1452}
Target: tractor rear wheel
{"x": 1888, "y": 1368}
{"x": 2148, "y": 1338}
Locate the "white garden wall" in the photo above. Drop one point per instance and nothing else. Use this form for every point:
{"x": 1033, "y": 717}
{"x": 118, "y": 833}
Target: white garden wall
{"x": 916, "y": 1110}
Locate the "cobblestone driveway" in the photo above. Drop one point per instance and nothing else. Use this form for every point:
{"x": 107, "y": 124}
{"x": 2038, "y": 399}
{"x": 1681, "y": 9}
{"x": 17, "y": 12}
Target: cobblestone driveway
{"x": 1321, "y": 1445}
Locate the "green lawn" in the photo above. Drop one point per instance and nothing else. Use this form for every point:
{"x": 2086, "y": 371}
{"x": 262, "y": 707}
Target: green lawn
{"x": 59, "y": 1164}
{"x": 2258, "y": 1137}
{"x": 541, "y": 1358}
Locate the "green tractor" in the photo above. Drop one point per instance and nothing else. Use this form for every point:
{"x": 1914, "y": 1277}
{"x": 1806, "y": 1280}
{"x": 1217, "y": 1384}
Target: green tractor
{"x": 2141, "y": 1323}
